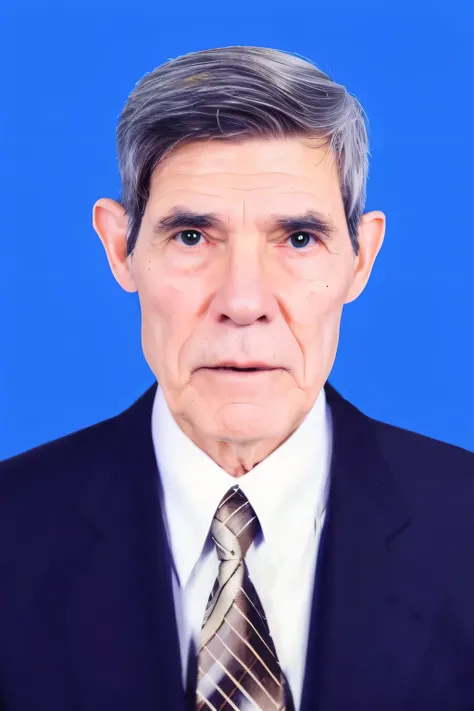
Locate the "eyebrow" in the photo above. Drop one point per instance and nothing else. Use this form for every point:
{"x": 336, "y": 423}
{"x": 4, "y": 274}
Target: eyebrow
{"x": 181, "y": 217}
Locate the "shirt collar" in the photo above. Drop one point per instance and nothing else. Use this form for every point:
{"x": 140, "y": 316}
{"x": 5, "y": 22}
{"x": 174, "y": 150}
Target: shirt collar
{"x": 287, "y": 489}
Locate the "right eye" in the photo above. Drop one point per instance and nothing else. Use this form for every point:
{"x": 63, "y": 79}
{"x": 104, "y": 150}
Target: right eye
{"x": 190, "y": 238}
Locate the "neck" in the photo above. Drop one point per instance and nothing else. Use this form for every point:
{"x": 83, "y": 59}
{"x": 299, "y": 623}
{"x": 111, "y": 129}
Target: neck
{"x": 236, "y": 457}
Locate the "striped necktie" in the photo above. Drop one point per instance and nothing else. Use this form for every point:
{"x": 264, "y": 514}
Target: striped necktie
{"x": 238, "y": 667}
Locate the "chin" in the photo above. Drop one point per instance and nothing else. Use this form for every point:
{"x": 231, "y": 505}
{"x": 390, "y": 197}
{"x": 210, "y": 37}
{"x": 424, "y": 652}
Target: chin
{"x": 245, "y": 422}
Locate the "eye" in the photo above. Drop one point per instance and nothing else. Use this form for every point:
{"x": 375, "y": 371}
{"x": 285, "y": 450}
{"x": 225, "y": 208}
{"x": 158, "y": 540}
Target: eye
{"x": 301, "y": 239}
{"x": 190, "y": 238}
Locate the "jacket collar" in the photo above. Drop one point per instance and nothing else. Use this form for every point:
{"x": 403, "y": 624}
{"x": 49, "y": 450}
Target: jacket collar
{"x": 357, "y": 465}
{"x": 113, "y": 604}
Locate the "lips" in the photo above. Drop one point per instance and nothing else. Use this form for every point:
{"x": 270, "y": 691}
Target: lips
{"x": 238, "y": 369}
{"x": 250, "y": 365}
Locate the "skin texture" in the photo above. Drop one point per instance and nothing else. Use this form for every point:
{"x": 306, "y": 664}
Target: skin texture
{"x": 243, "y": 291}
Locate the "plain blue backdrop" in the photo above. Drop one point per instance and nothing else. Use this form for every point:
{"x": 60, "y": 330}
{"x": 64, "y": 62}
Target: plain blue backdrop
{"x": 70, "y": 349}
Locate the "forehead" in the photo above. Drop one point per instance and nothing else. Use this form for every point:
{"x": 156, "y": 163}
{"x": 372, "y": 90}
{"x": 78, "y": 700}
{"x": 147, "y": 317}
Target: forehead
{"x": 262, "y": 172}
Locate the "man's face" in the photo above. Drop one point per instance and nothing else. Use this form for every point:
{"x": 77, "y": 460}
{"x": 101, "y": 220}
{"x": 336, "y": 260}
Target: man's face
{"x": 245, "y": 291}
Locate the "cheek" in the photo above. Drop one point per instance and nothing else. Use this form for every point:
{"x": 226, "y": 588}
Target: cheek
{"x": 168, "y": 308}
{"x": 163, "y": 327}
{"x": 164, "y": 300}
{"x": 315, "y": 320}
{"x": 318, "y": 303}
{"x": 159, "y": 294}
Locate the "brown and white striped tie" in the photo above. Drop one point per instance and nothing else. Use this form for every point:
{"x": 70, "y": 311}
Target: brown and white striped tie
{"x": 238, "y": 667}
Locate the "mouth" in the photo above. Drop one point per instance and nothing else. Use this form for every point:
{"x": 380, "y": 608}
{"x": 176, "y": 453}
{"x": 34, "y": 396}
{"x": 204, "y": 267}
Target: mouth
{"x": 236, "y": 369}
{"x": 240, "y": 369}
{"x": 249, "y": 366}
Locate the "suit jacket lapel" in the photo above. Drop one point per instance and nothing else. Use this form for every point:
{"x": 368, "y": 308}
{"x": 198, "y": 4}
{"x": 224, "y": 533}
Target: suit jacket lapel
{"x": 373, "y": 607}
{"x": 111, "y": 596}
{"x": 111, "y": 602}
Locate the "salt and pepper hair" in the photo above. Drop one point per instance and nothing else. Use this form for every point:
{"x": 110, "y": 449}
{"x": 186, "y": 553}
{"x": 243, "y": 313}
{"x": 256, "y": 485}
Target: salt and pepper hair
{"x": 237, "y": 93}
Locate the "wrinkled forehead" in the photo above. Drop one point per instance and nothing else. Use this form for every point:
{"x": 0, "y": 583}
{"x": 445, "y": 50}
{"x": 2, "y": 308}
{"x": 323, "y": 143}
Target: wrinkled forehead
{"x": 259, "y": 176}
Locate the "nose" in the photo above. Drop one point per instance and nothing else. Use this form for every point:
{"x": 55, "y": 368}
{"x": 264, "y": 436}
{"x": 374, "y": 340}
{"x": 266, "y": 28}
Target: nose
{"x": 244, "y": 295}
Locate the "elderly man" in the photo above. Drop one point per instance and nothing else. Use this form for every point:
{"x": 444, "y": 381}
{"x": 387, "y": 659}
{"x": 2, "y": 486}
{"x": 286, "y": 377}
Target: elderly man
{"x": 242, "y": 537}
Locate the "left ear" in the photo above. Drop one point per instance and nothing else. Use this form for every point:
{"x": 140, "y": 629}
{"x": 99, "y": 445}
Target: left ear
{"x": 371, "y": 236}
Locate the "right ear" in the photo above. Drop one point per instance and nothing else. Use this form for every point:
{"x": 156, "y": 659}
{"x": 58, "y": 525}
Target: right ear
{"x": 110, "y": 222}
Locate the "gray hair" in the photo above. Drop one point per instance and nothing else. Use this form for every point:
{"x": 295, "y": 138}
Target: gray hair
{"x": 236, "y": 93}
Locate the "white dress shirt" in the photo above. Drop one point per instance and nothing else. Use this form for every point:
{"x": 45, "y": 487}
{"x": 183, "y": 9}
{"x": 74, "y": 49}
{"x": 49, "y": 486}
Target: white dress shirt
{"x": 288, "y": 491}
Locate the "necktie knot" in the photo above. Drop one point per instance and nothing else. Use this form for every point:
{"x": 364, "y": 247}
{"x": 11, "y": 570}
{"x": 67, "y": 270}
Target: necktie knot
{"x": 234, "y": 526}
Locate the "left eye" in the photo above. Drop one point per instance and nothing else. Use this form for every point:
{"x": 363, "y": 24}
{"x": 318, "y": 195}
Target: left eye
{"x": 301, "y": 239}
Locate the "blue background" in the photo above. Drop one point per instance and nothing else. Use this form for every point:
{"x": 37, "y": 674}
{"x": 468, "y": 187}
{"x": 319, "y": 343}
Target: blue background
{"x": 70, "y": 350}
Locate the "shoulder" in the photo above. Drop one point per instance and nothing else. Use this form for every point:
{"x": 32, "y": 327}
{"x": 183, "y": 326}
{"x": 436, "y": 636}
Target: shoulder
{"x": 48, "y": 471}
{"x": 38, "y": 485}
{"x": 434, "y": 479}
{"x": 73, "y": 455}
{"x": 407, "y": 447}
{"x": 412, "y": 457}
{"x": 434, "y": 476}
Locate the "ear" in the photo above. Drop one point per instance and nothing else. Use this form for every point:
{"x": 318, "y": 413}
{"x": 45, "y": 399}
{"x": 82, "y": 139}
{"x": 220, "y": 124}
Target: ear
{"x": 371, "y": 236}
{"x": 110, "y": 222}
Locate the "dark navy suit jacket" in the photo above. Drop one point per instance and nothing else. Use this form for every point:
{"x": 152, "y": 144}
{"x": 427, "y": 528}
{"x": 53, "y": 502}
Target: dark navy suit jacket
{"x": 87, "y": 618}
